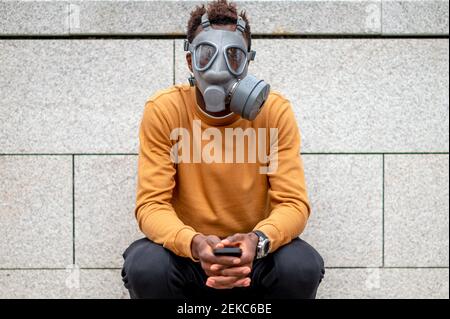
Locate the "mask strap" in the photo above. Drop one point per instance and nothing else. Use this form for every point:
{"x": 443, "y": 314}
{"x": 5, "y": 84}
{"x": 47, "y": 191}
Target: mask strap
{"x": 240, "y": 24}
{"x": 205, "y": 21}
{"x": 191, "y": 80}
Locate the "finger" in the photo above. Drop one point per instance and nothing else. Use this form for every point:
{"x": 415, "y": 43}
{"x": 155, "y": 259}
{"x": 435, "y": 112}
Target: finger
{"x": 235, "y": 271}
{"x": 242, "y": 283}
{"x": 233, "y": 239}
{"x": 247, "y": 256}
{"x": 238, "y": 282}
{"x": 221, "y": 260}
{"x": 212, "y": 241}
{"x": 223, "y": 280}
{"x": 218, "y": 267}
{"x": 213, "y": 271}
{"x": 228, "y": 242}
{"x": 220, "y": 245}
{"x": 212, "y": 283}
{"x": 220, "y": 282}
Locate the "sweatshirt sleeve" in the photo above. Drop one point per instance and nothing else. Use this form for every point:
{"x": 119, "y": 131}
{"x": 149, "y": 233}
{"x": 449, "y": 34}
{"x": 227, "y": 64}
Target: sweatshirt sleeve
{"x": 290, "y": 208}
{"x": 155, "y": 215}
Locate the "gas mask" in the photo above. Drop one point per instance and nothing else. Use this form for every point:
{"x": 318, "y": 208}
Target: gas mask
{"x": 220, "y": 63}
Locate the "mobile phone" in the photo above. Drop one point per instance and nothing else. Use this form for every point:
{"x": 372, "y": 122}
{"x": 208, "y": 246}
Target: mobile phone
{"x": 228, "y": 251}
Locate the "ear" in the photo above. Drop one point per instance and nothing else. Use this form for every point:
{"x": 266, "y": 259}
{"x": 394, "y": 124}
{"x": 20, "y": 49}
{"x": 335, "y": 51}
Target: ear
{"x": 189, "y": 61}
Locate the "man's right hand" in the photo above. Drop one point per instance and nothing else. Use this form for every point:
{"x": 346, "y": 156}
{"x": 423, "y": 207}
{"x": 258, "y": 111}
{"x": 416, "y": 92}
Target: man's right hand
{"x": 202, "y": 249}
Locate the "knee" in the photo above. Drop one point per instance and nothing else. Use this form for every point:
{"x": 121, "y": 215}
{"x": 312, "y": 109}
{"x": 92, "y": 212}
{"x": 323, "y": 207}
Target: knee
{"x": 300, "y": 265}
{"x": 145, "y": 268}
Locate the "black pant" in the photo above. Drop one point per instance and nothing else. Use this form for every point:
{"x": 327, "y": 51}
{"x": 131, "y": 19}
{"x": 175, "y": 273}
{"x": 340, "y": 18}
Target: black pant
{"x": 151, "y": 271}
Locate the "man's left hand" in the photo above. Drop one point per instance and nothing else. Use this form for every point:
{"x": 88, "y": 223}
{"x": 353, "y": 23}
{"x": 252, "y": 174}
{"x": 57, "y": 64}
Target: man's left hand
{"x": 247, "y": 243}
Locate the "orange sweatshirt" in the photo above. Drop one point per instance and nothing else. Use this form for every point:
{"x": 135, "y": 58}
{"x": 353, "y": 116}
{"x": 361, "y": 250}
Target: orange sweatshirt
{"x": 177, "y": 199}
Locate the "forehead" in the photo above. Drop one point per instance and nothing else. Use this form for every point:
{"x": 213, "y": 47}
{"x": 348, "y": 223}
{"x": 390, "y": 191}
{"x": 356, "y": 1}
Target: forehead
{"x": 220, "y": 33}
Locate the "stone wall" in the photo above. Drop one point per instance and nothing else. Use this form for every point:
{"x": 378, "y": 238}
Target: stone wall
{"x": 369, "y": 84}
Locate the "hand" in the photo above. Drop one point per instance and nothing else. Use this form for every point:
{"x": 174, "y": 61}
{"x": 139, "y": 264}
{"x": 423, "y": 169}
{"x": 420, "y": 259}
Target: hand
{"x": 202, "y": 249}
{"x": 231, "y": 276}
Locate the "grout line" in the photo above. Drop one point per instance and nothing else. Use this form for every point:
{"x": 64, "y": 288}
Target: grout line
{"x": 73, "y": 209}
{"x": 331, "y": 267}
{"x": 182, "y": 36}
{"x": 374, "y": 153}
{"x": 391, "y": 267}
{"x": 59, "y": 268}
{"x": 302, "y": 153}
{"x": 382, "y": 213}
{"x": 65, "y": 154}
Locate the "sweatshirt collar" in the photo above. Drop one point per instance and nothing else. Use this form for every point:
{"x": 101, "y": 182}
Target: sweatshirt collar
{"x": 213, "y": 121}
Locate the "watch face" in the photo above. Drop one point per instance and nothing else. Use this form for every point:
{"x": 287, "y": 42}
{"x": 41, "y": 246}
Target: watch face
{"x": 263, "y": 245}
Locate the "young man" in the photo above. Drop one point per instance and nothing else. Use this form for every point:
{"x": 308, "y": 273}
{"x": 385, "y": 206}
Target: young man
{"x": 220, "y": 166}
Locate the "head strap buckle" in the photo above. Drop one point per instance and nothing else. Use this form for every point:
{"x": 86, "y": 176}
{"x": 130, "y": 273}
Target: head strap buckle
{"x": 205, "y": 21}
{"x": 251, "y": 55}
{"x": 240, "y": 24}
{"x": 186, "y": 45}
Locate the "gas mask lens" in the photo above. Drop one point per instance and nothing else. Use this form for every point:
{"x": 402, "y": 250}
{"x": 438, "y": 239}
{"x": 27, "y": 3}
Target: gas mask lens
{"x": 236, "y": 59}
{"x": 204, "y": 55}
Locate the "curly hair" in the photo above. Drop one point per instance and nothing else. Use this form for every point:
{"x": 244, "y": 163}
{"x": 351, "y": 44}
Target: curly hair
{"x": 219, "y": 12}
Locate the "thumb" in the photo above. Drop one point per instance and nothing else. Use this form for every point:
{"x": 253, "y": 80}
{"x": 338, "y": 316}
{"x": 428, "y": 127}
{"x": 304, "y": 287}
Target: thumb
{"x": 212, "y": 240}
{"x": 230, "y": 240}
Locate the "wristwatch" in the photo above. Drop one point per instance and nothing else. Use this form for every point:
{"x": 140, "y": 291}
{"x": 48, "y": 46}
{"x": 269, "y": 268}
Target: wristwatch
{"x": 263, "y": 246}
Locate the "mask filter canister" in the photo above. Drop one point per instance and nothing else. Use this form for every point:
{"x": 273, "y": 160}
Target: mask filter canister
{"x": 248, "y": 96}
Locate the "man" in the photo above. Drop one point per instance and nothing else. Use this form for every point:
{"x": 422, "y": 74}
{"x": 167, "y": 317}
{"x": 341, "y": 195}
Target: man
{"x": 220, "y": 166}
